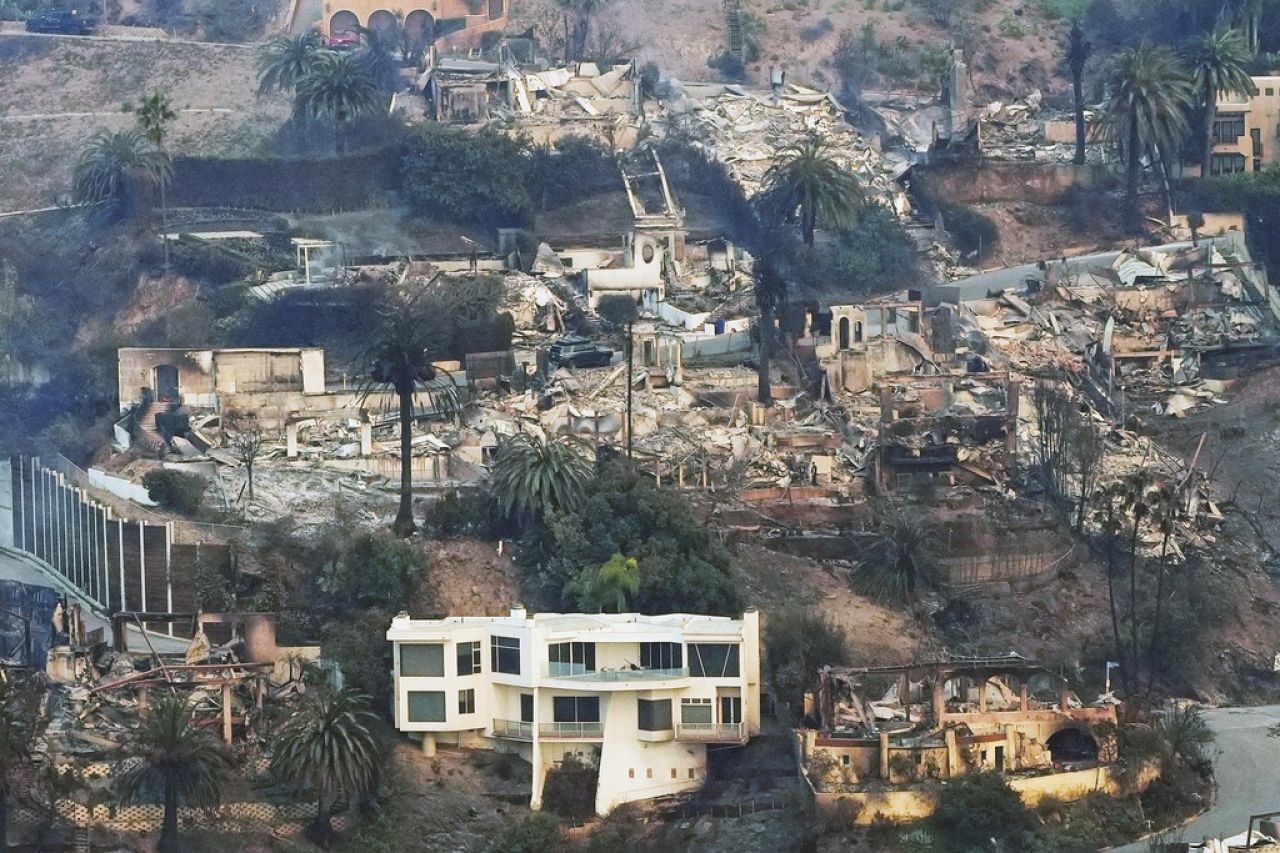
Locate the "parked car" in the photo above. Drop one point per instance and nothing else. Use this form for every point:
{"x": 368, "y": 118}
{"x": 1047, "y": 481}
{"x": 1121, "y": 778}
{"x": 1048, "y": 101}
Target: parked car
{"x": 344, "y": 41}
{"x": 579, "y": 352}
{"x": 64, "y": 23}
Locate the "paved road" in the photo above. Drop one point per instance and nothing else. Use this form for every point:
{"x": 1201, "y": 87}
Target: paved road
{"x": 17, "y": 567}
{"x": 1248, "y": 771}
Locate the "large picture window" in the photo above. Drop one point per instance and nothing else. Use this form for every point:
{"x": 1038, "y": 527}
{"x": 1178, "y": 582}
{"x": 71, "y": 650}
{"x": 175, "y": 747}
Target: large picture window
{"x": 571, "y": 658}
{"x": 426, "y": 706}
{"x": 1228, "y": 128}
{"x": 661, "y": 656}
{"x": 695, "y": 712}
{"x": 468, "y": 658}
{"x": 422, "y": 660}
{"x": 575, "y": 709}
{"x": 654, "y": 715}
{"x": 713, "y": 660}
{"x": 1226, "y": 164}
{"x": 504, "y": 654}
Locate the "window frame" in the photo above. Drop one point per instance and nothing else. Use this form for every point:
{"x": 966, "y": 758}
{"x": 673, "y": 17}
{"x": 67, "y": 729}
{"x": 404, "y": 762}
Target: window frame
{"x": 467, "y": 701}
{"x": 644, "y": 709}
{"x": 582, "y": 705}
{"x": 697, "y": 704}
{"x": 409, "y": 706}
{"x": 406, "y": 673}
{"x": 472, "y": 654}
{"x": 661, "y": 655}
{"x": 698, "y": 663}
{"x": 500, "y": 651}
{"x": 582, "y": 658}
{"x": 1234, "y": 123}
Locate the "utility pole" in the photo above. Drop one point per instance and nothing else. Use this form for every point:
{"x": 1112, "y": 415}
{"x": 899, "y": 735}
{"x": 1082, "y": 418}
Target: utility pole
{"x": 630, "y": 383}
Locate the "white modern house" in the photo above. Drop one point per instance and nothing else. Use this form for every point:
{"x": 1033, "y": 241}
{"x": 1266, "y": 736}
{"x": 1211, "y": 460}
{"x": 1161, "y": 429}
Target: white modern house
{"x": 641, "y": 697}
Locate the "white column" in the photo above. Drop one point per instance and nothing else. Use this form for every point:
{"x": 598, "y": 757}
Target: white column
{"x": 168, "y": 569}
{"x": 120, "y": 544}
{"x": 142, "y": 565}
{"x": 22, "y": 502}
{"x": 104, "y": 564}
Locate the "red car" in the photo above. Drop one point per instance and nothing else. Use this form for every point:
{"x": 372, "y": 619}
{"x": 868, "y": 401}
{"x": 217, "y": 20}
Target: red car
{"x": 344, "y": 41}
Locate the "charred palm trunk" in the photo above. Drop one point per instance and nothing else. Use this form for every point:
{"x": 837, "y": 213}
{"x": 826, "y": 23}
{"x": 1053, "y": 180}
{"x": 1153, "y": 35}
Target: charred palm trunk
{"x": 1210, "y": 114}
{"x": 764, "y": 392}
{"x": 1134, "y": 164}
{"x": 1131, "y": 679}
{"x": 404, "y": 524}
{"x": 1153, "y": 649}
{"x": 320, "y": 830}
{"x": 1077, "y": 85}
{"x": 169, "y": 830}
{"x": 1111, "y": 598}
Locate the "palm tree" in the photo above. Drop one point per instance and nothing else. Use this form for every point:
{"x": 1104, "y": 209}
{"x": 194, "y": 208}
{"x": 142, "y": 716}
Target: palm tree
{"x": 169, "y": 757}
{"x": 285, "y": 60}
{"x": 771, "y": 295}
{"x": 337, "y": 86}
{"x": 328, "y": 746}
{"x": 1220, "y": 64}
{"x": 1079, "y": 49}
{"x": 901, "y": 564}
{"x": 1147, "y": 113}
{"x": 808, "y": 181}
{"x": 535, "y": 477}
{"x": 114, "y": 165}
{"x": 606, "y": 589}
{"x": 620, "y": 310}
{"x": 401, "y": 360}
{"x": 378, "y": 56}
{"x": 154, "y": 115}
{"x": 17, "y": 732}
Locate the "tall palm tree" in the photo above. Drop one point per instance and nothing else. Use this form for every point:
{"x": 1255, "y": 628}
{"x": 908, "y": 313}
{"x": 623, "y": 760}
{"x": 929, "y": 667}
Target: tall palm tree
{"x": 285, "y": 60}
{"x": 401, "y": 360}
{"x": 536, "y": 477}
{"x": 17, "y": 731}
{"x": 337, "y": 87}
{"x": 1147, "y": 113}
{"x": 328, "y": 747}
{"x": 114, "y": 166}
{"x": 1220, "y": 63}
{"x": 154, "y": 114}
{"x": 771, "y": 295}
{"x": 169, "y": 757}
{"x": 378, "y": 56}
{"x": 808, "y": 181}
{"x": 1079, "y": 49}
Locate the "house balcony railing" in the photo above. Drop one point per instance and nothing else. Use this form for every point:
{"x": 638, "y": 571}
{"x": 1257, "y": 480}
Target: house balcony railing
{"x": 512, "y": 730}
{"x": 712, "y": 732}
{"x": 572, "y": 672}
{"x": 571, "y": 731}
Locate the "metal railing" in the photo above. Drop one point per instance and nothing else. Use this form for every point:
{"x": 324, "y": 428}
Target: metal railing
{"x": 513, "y": 729}
{"x": 710, "y": 731}
{"x": 571, "y": 730}
{"x": 571, "y": 672}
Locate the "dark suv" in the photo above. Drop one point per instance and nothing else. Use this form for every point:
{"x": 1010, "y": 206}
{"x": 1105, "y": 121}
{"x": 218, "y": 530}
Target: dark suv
{"x": 65, "y": 23}
{"x": 579, "y": 352}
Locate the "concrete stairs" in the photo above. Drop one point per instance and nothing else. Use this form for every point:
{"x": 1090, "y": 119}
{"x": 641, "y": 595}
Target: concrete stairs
{"x": 145, "y": 435}
{"x": 733, "y": 19}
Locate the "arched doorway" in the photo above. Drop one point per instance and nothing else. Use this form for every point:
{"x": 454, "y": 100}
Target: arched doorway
{"x": 1073, "y": 745}
{"x": 382, "y": 21}
{"x": 343, "y": 22}
{"x": 844, "y": 333}
{"x": 421, "y": 28}
{"x": 857, "y": 332}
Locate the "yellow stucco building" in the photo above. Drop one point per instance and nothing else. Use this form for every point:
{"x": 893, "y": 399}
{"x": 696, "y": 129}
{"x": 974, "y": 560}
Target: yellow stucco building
{"x": 1246, "y": 129}
{"x": 456, "y": 22}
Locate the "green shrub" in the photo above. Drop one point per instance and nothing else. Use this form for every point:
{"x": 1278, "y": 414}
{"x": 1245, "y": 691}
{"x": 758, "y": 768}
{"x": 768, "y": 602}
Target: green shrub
{"x": 1010, "y": 26}
{"x": 375, "y": 569}
{"x": 538, "y": 833}
{"x": 797, "y": 643}
{"x": 976, "y": 808}
{"x": 570, "y": 789}
{"x": 466, "y": 175}
{"x": 177, "y": 491}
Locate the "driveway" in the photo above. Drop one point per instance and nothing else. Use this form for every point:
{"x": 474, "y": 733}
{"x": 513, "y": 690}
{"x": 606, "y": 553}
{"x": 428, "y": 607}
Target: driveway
{"x": 1248, "y": 773}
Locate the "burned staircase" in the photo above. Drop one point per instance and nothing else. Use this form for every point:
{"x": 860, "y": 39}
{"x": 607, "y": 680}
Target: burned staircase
{"x": 737, "y": 37}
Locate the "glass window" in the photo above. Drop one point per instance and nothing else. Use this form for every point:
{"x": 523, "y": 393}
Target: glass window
{"x": 422, "y": 660}
{"x": 1228, "y": 128}
{"x": 661, "y": 656}
{"x": 505, "y": 654}
{"x": 467, "y": 701}
{"x": 468, "y": 658}
{"x": 730, "y": 709}
{"x": 713, "y": 660}
{"x": 1226, "y": 164}
{"x": 575, "y": 709}
{"x": 426, "y": 706}
{"x": 695, "y": 712}
{"x": 571, "y": 658}
{"x": 526, "y": 707}
{"x": 654, "y": 715}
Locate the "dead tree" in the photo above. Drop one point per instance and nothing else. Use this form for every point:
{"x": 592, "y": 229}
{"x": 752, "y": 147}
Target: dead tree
{"x": 246, "y": 443}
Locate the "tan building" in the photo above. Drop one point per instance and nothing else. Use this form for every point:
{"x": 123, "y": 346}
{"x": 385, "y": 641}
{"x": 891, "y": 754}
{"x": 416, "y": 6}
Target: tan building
{"x": 444, "y": 22}
{"x": 1246, "y": 129}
